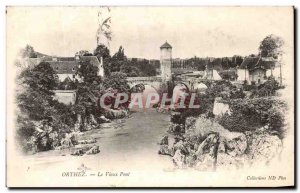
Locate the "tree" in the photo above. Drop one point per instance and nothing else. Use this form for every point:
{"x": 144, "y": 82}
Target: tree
{"x": 117, "y": 80}
{"x": 120, "y": 55}
{"x": 28, "y": 52}
{"x": 36, "y": 105}
{"x": 84, "y": 53}
{"x": 88, "y": 72}
{"x": 130, "y": 71}
{"x": 102, "y": 51}
{"x": 271, "y": 46}
{"x": 41, "y": 78}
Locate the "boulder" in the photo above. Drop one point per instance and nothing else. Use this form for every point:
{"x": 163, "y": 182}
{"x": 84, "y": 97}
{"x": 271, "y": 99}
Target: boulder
{"x": 237, "y": 145}
{"x": 191, "y": 159}
{"x": 166, "y": 150}
{"x": 103, "y": 119}
{"x": 66, "y": 143}
{"x": 181, "y": 146}
{"x": 228, "y": 163}
{"x": 176, "y": 128}
{"x": 87, "y": 141}
{"x": 80, "y": 151}
{"x": 94, "y": 150}
{"x": 77, "y": 127}
{"x": 207, "y": 153}
{"x": 115, "y": 114}
{"x": 263, "y": 147}
{"x": 164, "y": 140}
{"x": 178, "y": 159}
{"x": 190, "y": 123}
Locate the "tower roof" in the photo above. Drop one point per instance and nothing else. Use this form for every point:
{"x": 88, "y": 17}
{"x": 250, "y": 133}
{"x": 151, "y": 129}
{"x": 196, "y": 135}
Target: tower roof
{"x": 166, "y": 45}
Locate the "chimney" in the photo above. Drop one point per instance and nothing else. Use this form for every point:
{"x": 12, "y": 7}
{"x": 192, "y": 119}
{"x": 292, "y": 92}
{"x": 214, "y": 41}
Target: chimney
{"x": 77, "y": 57}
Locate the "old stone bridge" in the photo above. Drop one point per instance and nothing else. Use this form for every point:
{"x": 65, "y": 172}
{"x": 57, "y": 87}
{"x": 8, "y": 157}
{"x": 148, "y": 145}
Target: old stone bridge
{"x": 156, "y": 82}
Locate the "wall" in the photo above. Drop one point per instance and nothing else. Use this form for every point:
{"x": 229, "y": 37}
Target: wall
{"x": 258, "y": 75}
{"x": 65, "y": 96}
{"x": 242, "y": 76}
{"x": 62, "y": 77}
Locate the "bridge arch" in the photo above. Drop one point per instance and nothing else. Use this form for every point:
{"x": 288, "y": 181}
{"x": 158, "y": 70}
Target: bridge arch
{"x": 143, "y": 84}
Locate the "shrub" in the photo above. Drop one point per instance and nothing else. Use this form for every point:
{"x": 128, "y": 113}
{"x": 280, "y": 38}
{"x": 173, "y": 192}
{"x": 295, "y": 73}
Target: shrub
{"x": 249, "y": 114}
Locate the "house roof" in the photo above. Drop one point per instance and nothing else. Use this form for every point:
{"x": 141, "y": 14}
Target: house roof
{"x": 166, "y": 45}
{"x": 255, "y": 62}
{"x": 64, "y": 67}
{"x": 92, "y": 59}
{"x": 249, "y": 62}
{"x": 257, "y": 67}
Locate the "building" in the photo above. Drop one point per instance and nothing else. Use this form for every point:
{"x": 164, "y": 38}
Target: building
{"x": 94, "y": 61}
{"x": 258, "y": 74}
{"x": 165, "y": 61}
{"x": 65, "y": 96}
{"x": 211, "y": 73}
{"x": 66, "y": 67}
{"x": 257, "y": 69}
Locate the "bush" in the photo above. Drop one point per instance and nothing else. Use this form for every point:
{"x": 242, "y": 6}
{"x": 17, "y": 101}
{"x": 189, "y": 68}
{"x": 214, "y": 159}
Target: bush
{"x": 249, "y": 114}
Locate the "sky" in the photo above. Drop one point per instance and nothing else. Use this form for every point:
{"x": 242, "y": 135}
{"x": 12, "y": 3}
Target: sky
{"x": 192, "y": 31}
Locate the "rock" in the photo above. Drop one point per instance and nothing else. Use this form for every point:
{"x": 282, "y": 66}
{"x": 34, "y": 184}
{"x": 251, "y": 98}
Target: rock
{"x": 190, "y": 123}
{"x": 94, "y": 150}
{"x": 222, "y": 145}
{"x": 176, "y": 128}
{"x": 181, "y": 146}
{"x": 87, "y": 127}
{"x": 207, "y": 153}
{"x": 66, "y": 143}
{"x": 53, "y": 136}
{"x": 77, "y": 127}
{"x": 209, "y": 145}
{"x": 87, "y": 141}
{"x": 228, "y": 162}
{"x": 178, "y": 159}
{"x": 237, "y": 146}
{"x": 263, "y": 147}
{"x": 115, "y": 114}
{"x": 103, "y": 119}
{"x": 80, "y": 151}
{"x": 164, "y": 140}
{"x": 166, "y": 150}
{"x": 191, "y": 160}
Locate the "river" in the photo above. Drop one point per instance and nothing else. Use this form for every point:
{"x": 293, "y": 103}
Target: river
{"x": 130, "y": 143}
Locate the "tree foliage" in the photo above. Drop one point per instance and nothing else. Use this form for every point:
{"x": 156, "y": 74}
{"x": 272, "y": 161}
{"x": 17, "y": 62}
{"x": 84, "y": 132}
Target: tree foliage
{"x": 271, "y": 46}
{"x": 28, "y": 52}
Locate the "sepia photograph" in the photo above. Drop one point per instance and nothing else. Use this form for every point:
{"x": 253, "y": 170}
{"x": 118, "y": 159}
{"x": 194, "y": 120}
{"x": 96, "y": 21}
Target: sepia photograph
{"x": 150, "y": 96}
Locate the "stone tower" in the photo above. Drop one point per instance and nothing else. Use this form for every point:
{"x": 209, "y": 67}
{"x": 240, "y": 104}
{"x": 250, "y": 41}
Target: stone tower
{"x": 165, "y": 61}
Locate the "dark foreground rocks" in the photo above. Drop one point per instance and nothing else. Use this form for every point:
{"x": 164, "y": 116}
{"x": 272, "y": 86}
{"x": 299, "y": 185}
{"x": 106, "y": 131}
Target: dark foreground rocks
{"x": 88, "y": 150}
{"x": 207, "y": 146}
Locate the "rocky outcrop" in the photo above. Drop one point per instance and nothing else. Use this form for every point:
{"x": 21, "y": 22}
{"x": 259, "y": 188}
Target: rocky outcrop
{"x": 207, "y": 146}
{"x": 87, "y": 141}
{"x": 207, "y": 153}
{"x": 262, "y": 146}
{"x": 179, "y": 159}
{"x": 115, "y": 114}
{"x": 88, "y": 150}
{"x": 94, "y": 150}
{"x": 176, "y": 128}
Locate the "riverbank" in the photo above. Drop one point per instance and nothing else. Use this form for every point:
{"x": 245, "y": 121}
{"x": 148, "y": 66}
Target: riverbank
{"x": 130, "y": 143}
